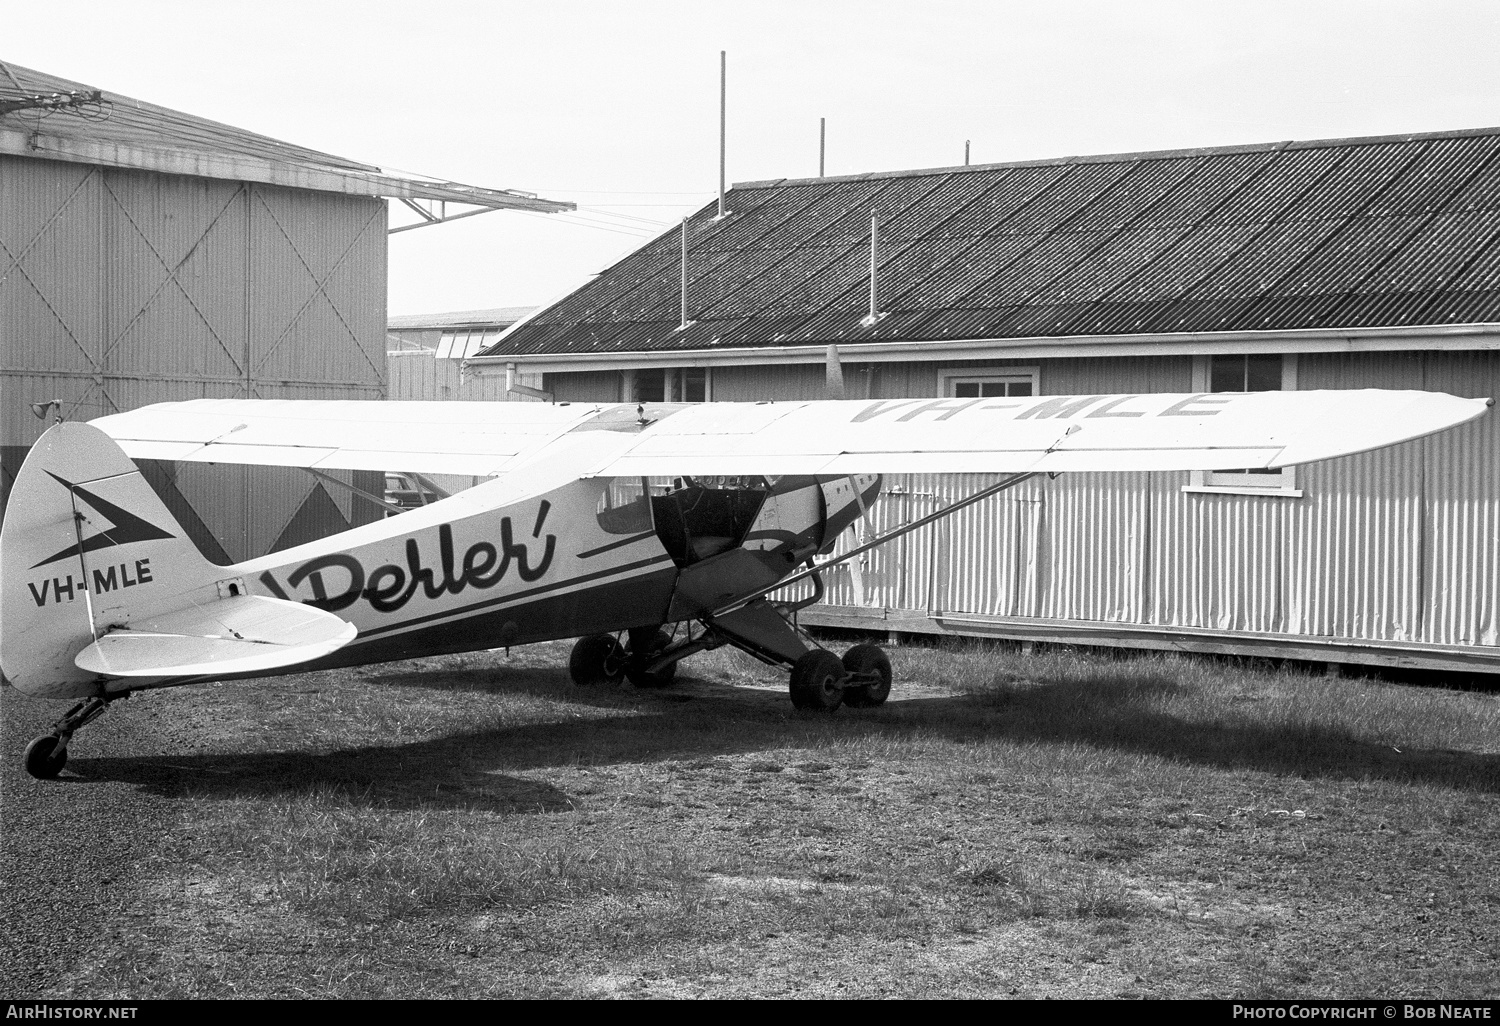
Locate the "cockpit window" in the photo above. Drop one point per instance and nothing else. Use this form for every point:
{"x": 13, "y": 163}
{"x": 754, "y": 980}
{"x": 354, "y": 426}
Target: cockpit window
{"x": 698, "y": 517}
{"x": 625, "y": 507}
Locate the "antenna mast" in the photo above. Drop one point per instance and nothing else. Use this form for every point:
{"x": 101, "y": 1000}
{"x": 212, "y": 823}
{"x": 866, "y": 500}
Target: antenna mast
{"x": 723, "y": 118}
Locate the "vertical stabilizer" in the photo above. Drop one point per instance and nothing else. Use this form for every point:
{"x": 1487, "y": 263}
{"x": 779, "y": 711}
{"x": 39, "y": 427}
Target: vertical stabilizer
{"x": 86, "y": 545}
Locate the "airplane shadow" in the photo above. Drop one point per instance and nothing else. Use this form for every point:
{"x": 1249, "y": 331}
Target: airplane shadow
{"x": 699, "y": 718}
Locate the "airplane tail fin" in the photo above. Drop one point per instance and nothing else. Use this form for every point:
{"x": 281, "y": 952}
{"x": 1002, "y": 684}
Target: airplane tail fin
{"x": 92, "y": 563}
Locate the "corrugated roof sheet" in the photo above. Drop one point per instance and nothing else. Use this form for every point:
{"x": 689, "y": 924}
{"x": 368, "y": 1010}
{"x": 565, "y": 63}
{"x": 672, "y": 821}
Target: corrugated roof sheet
{"x": 121, "y": 131}
{"x": 1353, "y": 232}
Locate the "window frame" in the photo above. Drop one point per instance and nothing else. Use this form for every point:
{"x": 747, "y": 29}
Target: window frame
{"x": 949, "y": 378}
{"x": 1283, "y": 483}
{"x": 673, "y": 383}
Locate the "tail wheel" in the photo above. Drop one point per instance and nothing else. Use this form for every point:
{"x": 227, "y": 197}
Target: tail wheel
{"x": 818, "y": 681}
{"x": 596, "y": 659}
{"x": 640, "y": 655}
{"x": 870, "y": 663}
{"x": 46, "y": 756}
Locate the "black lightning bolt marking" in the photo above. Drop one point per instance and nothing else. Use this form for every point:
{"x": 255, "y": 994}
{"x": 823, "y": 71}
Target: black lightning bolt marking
{"x": 127, "y": 526}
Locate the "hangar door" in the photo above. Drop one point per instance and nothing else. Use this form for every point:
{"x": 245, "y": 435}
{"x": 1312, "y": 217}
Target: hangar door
{"x": 121, "y": 288}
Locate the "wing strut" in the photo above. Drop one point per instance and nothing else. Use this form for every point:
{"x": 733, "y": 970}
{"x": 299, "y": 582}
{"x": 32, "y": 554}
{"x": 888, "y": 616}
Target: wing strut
{"x": 968, "y": 500}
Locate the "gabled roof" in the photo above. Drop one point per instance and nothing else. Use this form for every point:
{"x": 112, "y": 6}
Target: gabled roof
{"x": 118, "y": 131}
{"x": 1349, "y": 233}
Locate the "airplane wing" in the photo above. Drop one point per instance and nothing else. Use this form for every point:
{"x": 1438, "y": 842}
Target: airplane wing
{"x": 1042, "y": 434}
{"x": 345, "y": 434}
{"x": 242, "y": 634}
{"x": 1051, "y": 434}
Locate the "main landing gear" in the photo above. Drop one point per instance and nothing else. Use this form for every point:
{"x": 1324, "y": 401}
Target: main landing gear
{"x": 601, "y": 659}
{"x": 47, "y": 755}
{"x": 820, "y": 680}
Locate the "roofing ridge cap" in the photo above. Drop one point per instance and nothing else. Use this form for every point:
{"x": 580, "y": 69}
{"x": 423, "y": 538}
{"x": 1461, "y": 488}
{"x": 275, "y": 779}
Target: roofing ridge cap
{"x": 1106, "y": 158}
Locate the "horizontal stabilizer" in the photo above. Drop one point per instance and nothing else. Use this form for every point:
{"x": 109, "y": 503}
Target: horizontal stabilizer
{"x": 243, "y": 634}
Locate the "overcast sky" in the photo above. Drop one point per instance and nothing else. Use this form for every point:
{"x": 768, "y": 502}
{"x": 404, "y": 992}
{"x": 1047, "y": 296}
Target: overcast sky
{"x": 614, "y": 105}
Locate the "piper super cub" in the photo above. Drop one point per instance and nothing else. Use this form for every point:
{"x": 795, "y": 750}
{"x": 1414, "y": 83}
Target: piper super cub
{"x": 573, "y": 535}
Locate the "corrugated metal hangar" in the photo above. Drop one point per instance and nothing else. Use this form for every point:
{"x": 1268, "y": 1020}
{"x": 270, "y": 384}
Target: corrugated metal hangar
{"x": 149, "y": 255}
{"x": 1335, "y": 264}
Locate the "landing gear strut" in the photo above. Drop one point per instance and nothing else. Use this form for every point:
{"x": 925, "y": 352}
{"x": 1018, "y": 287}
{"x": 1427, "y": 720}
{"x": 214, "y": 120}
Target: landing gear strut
{"x": 646, "y": 644}
{"x": 48, "y": 754}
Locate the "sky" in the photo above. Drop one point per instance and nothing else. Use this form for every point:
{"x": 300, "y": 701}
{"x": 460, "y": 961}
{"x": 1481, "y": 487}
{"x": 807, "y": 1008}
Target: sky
{"x": 615, "y": 105}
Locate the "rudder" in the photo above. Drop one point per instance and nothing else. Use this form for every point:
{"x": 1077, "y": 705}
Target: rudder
{"x": 86, "y": 545}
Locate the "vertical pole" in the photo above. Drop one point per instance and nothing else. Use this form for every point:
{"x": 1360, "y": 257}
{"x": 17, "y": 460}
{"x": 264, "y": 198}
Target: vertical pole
{"x": 683, "y": 323}
{"x": 822, "y": 145}
{"x": 723, "y": 120}
{"x": 874, "y": 257}
{"x": 966, "y": 153}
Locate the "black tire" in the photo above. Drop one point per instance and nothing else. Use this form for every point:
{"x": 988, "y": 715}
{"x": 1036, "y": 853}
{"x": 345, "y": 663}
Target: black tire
{"x": 596, "y": 659}
{"x": 634, "y": 665}
{"x": 868, "y": 659}
{"x": 43, "y": 760}
{"x": 817, "y": 681}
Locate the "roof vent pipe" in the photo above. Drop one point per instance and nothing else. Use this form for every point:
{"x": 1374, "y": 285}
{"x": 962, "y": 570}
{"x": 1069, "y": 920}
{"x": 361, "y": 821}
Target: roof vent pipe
{"x": 874, "y": 315}
{"x": 822, "y": 145}
{"x": 966, "y": 153}
{"x": 834, "y": 373}
{"x": 683, "y": 323}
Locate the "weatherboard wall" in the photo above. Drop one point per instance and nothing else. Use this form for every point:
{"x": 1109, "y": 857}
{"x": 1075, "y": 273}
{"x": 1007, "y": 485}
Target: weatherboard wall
{"x": 120, "y": 288}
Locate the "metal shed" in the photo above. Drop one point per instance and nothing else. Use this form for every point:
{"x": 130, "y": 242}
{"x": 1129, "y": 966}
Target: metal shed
{"x": 149, "y": 255}
{"x": 426, "y": 354}
{"x": 1328, "y": 264}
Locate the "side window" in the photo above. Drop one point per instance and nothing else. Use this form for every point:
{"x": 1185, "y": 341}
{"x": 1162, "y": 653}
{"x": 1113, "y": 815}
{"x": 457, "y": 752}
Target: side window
{"x": 668, "y": 385}
{"x": 1255, "y": 372}
{"x": 692, "y": 385}
{"x": 977, "y": 384}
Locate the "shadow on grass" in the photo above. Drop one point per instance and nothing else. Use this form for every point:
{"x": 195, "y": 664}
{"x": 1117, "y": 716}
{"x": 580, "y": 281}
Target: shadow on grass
{"x": 1119, "y": 715}
{"x": 427, "y": 776}
{"x": 700, "y": 718}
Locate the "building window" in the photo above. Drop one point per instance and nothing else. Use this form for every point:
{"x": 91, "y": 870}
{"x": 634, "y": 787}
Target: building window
{"x": 668, "y": 385}
{"x": 691, "y": 385}
{"x": 460, "y": 345}
{"x": 1257, "y": 372}
{"x": 969, "y": 384}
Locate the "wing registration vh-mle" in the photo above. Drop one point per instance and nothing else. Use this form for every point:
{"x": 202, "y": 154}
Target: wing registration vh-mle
{"x": 573, "y": 535}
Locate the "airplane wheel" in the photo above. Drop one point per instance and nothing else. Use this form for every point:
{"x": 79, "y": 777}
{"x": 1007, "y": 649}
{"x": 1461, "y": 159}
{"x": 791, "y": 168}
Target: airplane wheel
{"x": 596, "y": 659}
{"x": 866, "y": 659}
{"x": 817, "y": 681}
{"x": 640, "y": 678}
{"x": 43, "y": 760}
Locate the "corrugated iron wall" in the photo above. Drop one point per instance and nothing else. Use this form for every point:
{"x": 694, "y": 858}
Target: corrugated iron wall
{"x": 121, "y": 288}
{"x": 422, "y": 376}
{"x": 1400, "y": 545}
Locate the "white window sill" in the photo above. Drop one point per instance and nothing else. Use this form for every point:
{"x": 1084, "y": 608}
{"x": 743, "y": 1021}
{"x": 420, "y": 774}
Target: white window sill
{"x": 1280, "y": 493}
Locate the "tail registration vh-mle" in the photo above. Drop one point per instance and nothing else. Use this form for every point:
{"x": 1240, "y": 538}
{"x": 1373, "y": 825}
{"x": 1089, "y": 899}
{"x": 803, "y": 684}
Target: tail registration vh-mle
{"x": 647, "y": 532}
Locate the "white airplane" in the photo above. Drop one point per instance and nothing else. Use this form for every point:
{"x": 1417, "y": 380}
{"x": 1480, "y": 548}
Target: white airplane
{"x": 103, "y": 594}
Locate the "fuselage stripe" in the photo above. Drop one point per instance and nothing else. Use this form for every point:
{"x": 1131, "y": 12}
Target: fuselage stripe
{"x": 515, "y": 597}
{"x": 617, "y": 544}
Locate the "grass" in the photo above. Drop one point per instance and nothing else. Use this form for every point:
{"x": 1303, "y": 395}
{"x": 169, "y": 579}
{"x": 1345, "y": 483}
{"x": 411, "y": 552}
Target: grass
{"x": 1063, "y": 824}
